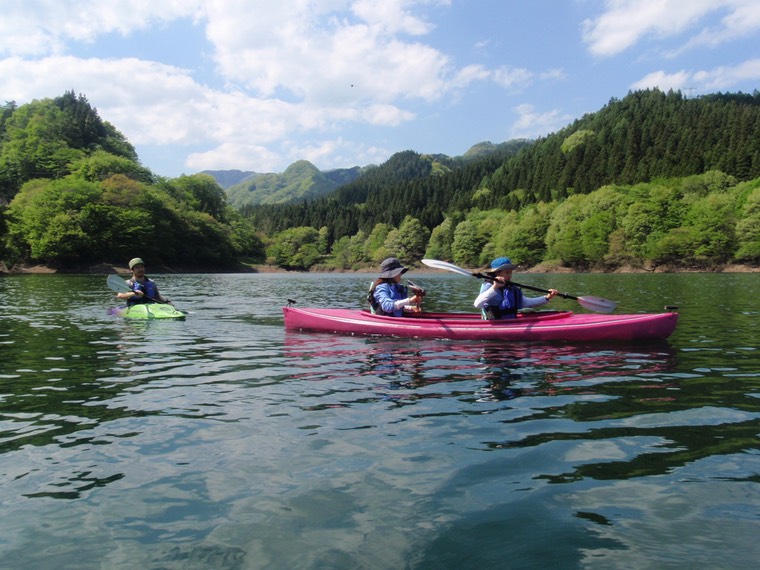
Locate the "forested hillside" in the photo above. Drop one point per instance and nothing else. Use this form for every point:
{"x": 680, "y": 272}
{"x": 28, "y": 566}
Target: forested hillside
{"x": 424, "y": 186}
{"x": 652, "y": 179}
{"x": 646, "y": 135}
{"x": 72, "y": 192}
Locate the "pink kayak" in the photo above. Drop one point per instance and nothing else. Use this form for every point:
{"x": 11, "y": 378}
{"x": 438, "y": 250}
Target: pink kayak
{"x": 539, "y": 326}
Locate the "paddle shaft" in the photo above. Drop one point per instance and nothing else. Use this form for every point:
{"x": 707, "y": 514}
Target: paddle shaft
{"x": 489, "y": 278}
{"x": 120, "y": 286}
{"x": 588, "y": 302}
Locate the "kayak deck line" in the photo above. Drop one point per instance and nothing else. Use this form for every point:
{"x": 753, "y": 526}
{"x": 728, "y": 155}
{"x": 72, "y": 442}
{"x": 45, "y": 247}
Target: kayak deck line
{"x": 543, "y": 325}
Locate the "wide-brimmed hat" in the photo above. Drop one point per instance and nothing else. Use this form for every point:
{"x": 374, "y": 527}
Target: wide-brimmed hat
{"x": 500, "y": 264}
{"x": 391, "y": 267}
{"x": 135, "y": 261}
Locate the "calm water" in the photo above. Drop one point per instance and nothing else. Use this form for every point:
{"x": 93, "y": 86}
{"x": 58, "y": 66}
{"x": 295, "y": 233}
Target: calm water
{"x": 226, "y": 442}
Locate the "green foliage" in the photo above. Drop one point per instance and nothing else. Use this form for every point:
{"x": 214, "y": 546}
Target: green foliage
{"x": 375, "y": 242}
{"x": 101, "y": 164}
{"x": 295, "y": 248}
{"x": 75, "y": 220}
{"x": 199, "y": 192}
{"x": 577, "y": 140}
{"x": 525, "y": 242}
{"x": 711, "y": 221}
{"x": 467, "y": 245}
{"x": 748, "y": 228}
{"x": 412, "y": 240}
{"x": 439, "y": 244}
{"x": 43, "y": 138}
{"x": 653, "y": 178}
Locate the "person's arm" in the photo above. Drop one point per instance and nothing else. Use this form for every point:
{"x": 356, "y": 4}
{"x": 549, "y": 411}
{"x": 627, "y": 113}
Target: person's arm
{"x": 135, "y": 292}
{"x": 387, "y": 303}
{"x": 486, "y": 293}
{"x": 529, "y": 302}
{"x": 160, "y": 297}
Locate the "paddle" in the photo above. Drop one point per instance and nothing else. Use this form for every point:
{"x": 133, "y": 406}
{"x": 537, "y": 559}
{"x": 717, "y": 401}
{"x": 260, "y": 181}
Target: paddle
{"x": 116, "y": 283}
{"x": 596, "y": 304}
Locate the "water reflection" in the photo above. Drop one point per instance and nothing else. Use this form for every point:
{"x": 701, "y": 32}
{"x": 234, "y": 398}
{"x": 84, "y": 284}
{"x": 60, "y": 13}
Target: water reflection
{"x": 226, "y": 442}
{"x": 499, "y": 371}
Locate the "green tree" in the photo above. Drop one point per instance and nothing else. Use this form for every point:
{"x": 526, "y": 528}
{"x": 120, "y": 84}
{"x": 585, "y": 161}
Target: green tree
{"x": 713, "y": 221}
{"x": 526, "y": 242}
{"x": 200, "y": 192}
{"x": 467, "y": 244}
{"x": 295, "y": 248}
{"x": 748, "y": 229}
{"x": 412, "y": 239}
{"x": 439, "y": 244}
{"x": 101, "y": 165}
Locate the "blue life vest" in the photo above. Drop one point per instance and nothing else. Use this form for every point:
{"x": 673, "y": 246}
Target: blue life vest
{"x": 504, "y": 304}
{"x": 149, "y": 289}
{"x": 395, "y": 291}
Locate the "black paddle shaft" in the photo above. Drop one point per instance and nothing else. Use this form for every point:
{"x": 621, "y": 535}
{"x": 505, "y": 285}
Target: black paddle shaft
{"x": 563, "y": 295}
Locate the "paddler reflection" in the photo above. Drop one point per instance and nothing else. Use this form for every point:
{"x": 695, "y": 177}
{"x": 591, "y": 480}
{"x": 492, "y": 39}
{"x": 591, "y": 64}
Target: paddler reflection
{"x": 551, "y": 370}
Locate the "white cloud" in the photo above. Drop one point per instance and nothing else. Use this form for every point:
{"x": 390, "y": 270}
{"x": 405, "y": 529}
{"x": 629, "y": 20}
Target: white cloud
{"x": 44, "y": 27}
{"x": 718, "y": 79}
{"x": 625, "y": 23}
{"x": 679, "y": 80}
{"x": 318, "y": 55}
{"x": 726, "y": 77}
{"x": 531, "y": 124}
{"x": 339, "y": 153}
{"x": 512, "y": 78}
{"x": 235, "y": 155}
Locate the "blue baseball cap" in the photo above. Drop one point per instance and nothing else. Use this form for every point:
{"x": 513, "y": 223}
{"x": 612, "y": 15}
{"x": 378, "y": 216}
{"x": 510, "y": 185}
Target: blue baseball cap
{"x": 500, "y": 264}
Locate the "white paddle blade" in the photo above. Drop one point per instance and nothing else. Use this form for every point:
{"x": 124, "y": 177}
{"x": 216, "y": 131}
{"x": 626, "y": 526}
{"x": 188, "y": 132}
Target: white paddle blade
{"x": 597, "y": 304}
{"x": 116, "y": 283}
{"x": 434, "y": 263}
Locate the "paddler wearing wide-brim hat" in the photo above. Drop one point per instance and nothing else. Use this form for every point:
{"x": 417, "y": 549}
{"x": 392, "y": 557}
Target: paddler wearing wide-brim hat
{"x": 143, "y": 289}
{"x": 386, "y": 294}
{"x": 500, "y": 299}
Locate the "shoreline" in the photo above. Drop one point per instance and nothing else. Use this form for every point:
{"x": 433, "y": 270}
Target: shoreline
{"x": 106, "y": 268}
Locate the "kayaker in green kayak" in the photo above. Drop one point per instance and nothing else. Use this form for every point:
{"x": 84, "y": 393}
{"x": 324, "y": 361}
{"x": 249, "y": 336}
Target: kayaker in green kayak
{"x": 500, "y": 299}
{"x": 143, "y": 289}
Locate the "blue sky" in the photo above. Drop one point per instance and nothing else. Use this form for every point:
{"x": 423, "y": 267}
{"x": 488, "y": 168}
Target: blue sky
{"x": 257, "y": 84}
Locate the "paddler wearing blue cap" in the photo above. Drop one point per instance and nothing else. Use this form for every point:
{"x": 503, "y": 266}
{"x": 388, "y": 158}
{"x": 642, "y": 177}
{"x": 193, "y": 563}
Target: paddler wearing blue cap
{"x": 500, "y": 299}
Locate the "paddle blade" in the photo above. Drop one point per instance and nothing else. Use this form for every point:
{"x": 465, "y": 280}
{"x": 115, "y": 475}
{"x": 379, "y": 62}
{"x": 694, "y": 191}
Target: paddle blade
{"x": 597, "y": 304}
{"x": 436, "y": 264}
{"x": 116, "y": 283}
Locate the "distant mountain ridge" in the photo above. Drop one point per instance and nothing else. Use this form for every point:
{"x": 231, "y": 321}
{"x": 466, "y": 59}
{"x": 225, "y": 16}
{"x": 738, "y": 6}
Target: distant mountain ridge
{"x": 228, "y": 178}
{"x": 303, "y": 181}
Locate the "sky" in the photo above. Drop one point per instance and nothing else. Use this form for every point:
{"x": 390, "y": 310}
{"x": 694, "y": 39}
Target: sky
{"x": 256, "y": 85}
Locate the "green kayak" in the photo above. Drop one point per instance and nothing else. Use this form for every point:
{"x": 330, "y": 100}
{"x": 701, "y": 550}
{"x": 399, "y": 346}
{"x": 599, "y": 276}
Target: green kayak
{"x": 148, "y": 311}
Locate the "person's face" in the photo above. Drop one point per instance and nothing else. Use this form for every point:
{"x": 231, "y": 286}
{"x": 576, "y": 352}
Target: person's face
{"x": 138, "y": 270}
{"x": 505, "y": 274}
{"x": 397, "y": 278}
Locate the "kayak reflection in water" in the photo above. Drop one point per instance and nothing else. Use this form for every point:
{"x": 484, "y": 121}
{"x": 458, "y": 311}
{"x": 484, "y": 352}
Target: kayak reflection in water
{"x": 388, "y": 297}
{"x": 500, "y": 299}
{"x": 143, "y": 289}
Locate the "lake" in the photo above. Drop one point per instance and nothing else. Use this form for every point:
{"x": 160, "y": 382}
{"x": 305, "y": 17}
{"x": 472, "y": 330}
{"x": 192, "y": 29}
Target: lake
{"x": 223, "y": 441}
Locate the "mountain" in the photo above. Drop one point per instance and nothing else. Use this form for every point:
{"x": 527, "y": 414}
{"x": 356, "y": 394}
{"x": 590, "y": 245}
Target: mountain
{"x": 301, "y": 181}
{"x": 645, "y": 136}
{"x": 227, "y": 178}
{"x": 425, "y": 186}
